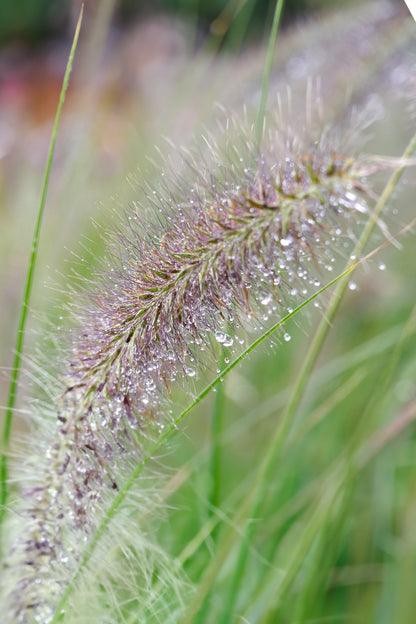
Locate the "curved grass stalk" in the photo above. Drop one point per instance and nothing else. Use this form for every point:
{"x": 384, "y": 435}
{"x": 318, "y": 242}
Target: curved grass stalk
{"x": 121, "y": 495}
{"x": 29, "y": 282}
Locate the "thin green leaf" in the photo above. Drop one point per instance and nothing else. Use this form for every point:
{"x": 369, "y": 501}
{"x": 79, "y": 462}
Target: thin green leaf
{"x": 29, "y": 283}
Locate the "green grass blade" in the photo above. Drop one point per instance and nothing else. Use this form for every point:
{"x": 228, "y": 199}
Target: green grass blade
{"x": 267, "y": 72}
{"x": 215, "y": 459}
{"x": 28, "y": 286}
{"x": 168, "y": 431}
{"x": 359, "y": 449}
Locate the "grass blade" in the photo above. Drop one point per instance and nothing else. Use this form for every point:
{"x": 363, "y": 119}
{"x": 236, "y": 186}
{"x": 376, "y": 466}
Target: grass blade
{"x": 267, "y": 72}
{"x": 28, "y": 285}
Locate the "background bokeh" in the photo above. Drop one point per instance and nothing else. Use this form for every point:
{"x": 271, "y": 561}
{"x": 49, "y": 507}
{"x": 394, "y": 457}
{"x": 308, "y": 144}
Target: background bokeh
{"x": 35, "y": 21}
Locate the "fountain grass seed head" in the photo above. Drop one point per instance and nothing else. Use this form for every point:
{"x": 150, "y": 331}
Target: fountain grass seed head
{"x": 236, "y": 237}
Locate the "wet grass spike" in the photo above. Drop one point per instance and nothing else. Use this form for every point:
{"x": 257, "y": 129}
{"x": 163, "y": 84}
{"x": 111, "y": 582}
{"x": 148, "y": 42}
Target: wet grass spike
{"x": 234, "y": 246}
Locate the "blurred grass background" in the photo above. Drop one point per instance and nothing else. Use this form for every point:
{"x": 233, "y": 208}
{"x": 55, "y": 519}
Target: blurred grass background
{"x": 35, "y": 21}
{"x": 149, "y": 70}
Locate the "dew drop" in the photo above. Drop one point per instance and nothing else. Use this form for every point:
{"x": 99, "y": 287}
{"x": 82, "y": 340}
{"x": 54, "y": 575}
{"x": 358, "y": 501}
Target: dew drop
{"x": 266, "y": 299}
{"x": 352, "y": 286}
{"x": 287, "y": 337}
{"x": 224, "y": 339}
{"x": 285, "y": 242}
{"x": 360, "y": 207}
{"x": 220, "y": 336}
{"x": 190, "y": 372}
{"x": 382, "y": 266}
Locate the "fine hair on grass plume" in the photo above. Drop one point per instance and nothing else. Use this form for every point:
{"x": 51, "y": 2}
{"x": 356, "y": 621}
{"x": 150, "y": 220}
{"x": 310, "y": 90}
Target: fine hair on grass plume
{"x": 242, "y": 236}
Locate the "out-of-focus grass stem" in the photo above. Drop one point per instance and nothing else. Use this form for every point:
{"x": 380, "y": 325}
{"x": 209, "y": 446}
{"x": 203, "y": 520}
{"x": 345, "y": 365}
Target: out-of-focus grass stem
{"x": 354, "y": 459}
{"x": 267, "y": 73}
{"x": 29, "y": 282}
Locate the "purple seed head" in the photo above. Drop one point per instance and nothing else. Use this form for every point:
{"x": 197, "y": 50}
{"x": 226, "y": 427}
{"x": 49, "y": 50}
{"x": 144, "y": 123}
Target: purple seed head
{"x": 245, "y": 236}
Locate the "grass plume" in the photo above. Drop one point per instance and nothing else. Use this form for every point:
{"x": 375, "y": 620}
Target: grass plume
{"x": 241, "y": 239}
